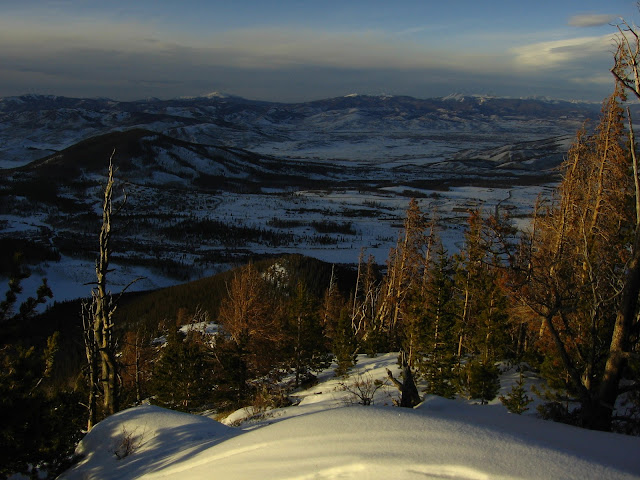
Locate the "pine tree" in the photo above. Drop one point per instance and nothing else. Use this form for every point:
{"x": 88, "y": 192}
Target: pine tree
{"x": 331, "y": 308}
{"x": 469, "y": 269}
{"x": 483, "y": 316}
{"x": 251, "y": 316}
{"x": 489, "y": 338}
{"x": 436, "y": 357}
{"x": 579, "y": 267}
{"x": 136, "y": 360}
{"x": 306, "y": 338}
{"x": 405, "y": 268}
{"x": 481, "y": 381}
{"x": 345, "y": 345}
{"x": 40, "y": 426}
{"x": 181, "y": 378}
{"x": 517, "y": 400}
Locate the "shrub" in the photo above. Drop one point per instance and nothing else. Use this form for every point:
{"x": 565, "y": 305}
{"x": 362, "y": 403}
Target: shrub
{"x": 362, "y": 389}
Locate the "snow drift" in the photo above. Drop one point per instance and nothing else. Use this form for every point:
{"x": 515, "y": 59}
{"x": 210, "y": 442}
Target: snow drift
{"x": 323, "y": 438}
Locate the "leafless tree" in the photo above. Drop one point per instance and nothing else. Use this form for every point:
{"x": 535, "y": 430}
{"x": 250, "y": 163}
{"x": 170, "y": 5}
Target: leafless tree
{"x": 97, "y": 315}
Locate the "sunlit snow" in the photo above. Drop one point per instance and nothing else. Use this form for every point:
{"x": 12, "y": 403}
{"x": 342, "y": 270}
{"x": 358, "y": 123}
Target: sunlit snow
{"x": 325, "y": 436}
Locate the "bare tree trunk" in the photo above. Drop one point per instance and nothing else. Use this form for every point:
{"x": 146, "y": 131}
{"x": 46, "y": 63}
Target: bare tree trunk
{"x": 137, "y": 369}
{"x": 103, "y": 327}
{"x": 621, "y": 339}
{"x": 298, "y": 350}
{"x": 98, "y": 325}
{"x": 410, "y": 397}
{"x": 92, "y": 363}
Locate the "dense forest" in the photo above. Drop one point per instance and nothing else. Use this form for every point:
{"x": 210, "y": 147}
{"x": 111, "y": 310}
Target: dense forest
{"x": 560, "y": 298}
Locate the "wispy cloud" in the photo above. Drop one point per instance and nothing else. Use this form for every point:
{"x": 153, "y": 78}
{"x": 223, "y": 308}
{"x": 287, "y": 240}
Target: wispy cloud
{"x": 603, "y": 80}
{"x": 132, "y": 60}
{"x": 567, "y": 52}
{"x": 592, "y": 20}
{"x": 249, "y": 48}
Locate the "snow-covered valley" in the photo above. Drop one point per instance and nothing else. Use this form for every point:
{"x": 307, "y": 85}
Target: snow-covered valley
{"x": 212, "y": 182}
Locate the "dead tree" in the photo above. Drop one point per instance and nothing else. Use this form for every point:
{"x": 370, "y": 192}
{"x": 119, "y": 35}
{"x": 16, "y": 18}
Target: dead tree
{"x": 410, "y": 397}
{"x": 97, "y": 315}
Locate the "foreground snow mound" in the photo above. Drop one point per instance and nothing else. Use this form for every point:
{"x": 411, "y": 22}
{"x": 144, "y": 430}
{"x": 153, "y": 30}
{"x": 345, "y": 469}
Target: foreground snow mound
{"x": 142, "y": 440}
{"x": 440, "y": 439}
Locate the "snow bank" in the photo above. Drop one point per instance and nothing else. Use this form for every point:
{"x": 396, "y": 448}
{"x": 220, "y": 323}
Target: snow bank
{"x": 439, "y": 439}
{"x": 155, "y": 437}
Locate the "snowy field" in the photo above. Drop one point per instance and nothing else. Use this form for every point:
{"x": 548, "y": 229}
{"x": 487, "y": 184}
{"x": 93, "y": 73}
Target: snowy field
{"x": 326, "y": 435}
{"x": 375, "y": 234}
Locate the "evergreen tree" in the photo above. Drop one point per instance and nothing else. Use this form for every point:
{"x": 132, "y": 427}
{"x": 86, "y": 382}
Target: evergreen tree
{"x": 252, "y": 317}
{"x": 40, "y": 426}
{"x": 481, "y": 381}
{"x": 306, "y": 338}
{"x": 331, "y": 308}
{"x": 482, "y": 300}
{"x": 517, "y": 399}
{"x": 406, "y": 267}
{"x": 181, "y": 378}
{"x": 489, "y": 338}
{"x": 436, "y": 359}
{"x": 27, "y": 308}
{"x": 345, "y": 345}
{"x": 469, "y": 266}
{"x": 581, "y": 265}
{"x": 136, "y": 359}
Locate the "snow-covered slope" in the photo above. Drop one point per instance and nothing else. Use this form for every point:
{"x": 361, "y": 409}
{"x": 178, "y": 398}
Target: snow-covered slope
{"x": 324, "y": 437}
{"x": 359, "y": 127}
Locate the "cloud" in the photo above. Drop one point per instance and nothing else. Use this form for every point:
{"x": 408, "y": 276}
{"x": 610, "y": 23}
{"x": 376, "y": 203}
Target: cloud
{"x": 248, "y": 48}
{"x": 567, "y": 53}
{"x": 591, "y": 20}
{"x": 130, "y": 61}
{"x": 603, "y": 80}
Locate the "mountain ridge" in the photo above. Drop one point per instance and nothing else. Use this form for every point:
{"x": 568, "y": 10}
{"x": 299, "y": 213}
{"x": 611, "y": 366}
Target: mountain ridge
{"x": 36, "y": 126}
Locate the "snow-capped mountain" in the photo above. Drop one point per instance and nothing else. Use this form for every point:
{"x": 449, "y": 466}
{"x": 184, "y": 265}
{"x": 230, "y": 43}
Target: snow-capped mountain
{"x": 33, "y": 126}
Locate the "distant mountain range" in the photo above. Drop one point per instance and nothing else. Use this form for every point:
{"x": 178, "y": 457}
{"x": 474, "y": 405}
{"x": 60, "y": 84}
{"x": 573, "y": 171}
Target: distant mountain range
{"x": 215, "y": 180}
{"x": 34, "y": 126}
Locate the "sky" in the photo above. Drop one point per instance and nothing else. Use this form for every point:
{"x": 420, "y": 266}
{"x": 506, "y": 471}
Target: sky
{"x": 300, "y": 50}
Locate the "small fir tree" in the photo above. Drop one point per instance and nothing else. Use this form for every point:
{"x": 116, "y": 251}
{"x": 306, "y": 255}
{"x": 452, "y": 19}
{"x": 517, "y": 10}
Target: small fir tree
{"x": 306, "y": 344}
{"x": 517, "y": 400}
{"x": 437, "y": 358}
{"x": 345, "y": 345}
{"x": 481, "y": 381}
{"x": 180, "y": 377}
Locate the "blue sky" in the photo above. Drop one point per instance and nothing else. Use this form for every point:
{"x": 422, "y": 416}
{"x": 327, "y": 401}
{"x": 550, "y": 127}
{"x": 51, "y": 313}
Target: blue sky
{"x": 304, "y": 50}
